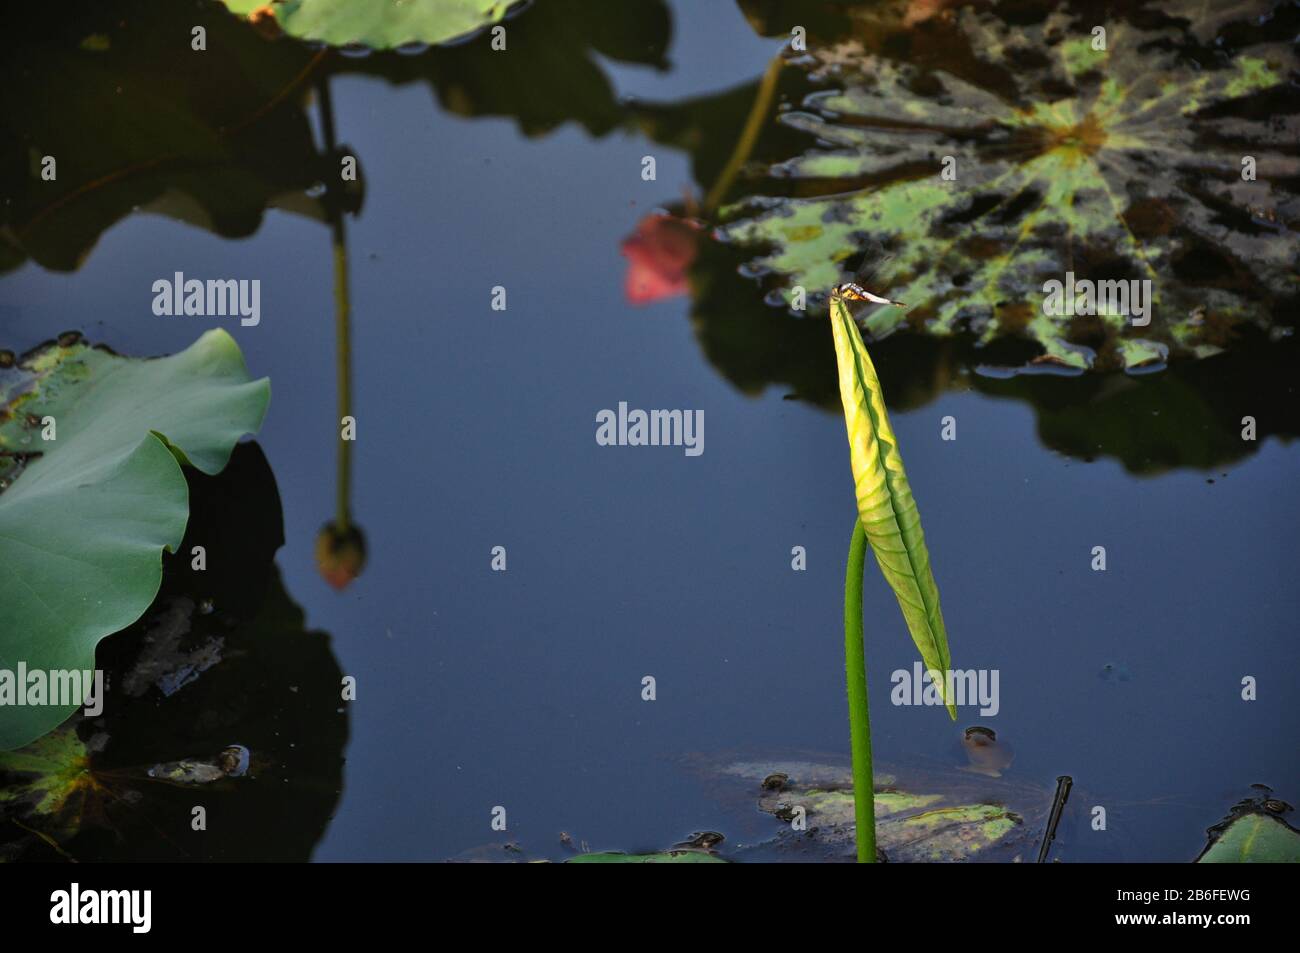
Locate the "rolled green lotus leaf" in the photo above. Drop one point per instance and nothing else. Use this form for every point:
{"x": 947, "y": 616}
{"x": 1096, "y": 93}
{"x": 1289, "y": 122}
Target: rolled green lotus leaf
{"x": 886, "y": 508}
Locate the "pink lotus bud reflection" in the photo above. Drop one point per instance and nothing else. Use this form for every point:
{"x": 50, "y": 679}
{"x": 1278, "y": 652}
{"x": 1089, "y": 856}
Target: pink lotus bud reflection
{"x": 340, "y": 555}
{"x": 660, "y": 254}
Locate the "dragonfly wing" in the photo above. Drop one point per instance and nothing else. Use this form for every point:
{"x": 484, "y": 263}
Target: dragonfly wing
{"x": 874, "y": 258}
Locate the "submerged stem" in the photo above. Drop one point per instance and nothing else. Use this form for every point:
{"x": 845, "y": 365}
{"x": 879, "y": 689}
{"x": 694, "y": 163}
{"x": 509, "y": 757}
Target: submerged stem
{"x": 855, "y": 669}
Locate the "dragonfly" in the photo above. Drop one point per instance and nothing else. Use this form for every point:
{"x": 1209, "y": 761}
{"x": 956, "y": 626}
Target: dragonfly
{"x": 855, "y": 292}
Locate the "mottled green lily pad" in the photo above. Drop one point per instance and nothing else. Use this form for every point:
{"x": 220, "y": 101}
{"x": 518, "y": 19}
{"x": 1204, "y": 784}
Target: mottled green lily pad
{"x": 1116, "y": 164}
{"x": 49, "y": 779}
{"x": 921, "y": 815}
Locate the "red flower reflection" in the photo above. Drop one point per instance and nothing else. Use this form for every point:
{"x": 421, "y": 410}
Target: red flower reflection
{"x": 660, "y": 254}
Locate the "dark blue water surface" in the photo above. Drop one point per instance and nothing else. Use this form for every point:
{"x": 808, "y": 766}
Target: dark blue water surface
{"x": 476, "y": 429}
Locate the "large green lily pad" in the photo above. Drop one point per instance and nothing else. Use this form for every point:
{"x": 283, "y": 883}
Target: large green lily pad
{"x": 1117, "y": 164}
{"x": 86, "y": 516}
{"x": 218, "y": 696}
{"x": 380, "y": 24}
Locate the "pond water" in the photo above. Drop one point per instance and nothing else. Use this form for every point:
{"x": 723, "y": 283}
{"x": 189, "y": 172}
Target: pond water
{"x": 476, "y": 428}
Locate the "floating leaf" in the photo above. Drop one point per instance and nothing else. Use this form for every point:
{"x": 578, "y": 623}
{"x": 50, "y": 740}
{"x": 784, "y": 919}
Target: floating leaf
{"x": 1122, "y": 164}
{"x": 379, "y": 24}
{"x": 921, "y": 815}
{"x": 86, "y": 516}
{"x": 51, "y": 783}
{"x": 886, "y": 507}
{"x": 666, "y": 857}
{"x": 1253, "y": 835}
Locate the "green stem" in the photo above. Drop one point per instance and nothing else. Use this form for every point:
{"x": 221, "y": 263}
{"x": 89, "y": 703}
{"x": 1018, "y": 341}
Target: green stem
{"x": 855, "y": 668}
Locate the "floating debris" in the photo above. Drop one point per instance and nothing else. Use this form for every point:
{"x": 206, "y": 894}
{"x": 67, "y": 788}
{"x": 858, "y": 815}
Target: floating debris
{"x": 232, "y": 762}
{"x": 987, "y": 755}
{"x": 701, "y": 840}
{"x": 1115, "y": 672}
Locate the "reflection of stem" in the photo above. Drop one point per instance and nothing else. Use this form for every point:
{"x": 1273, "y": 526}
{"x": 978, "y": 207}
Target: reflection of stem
{"x": 50, "y": 842}
{"x": 342, "y": 518}
{"x": 344, "y": 370}
{"x": 745, "y": 145}
{"x": 855, "y": 667}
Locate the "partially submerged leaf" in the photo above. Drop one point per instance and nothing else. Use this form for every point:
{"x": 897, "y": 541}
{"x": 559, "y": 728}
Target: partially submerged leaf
{"x": 379, "y": 24}
{"x": 665, "y": 857}
{"x": 50, "y": 780}
{"x": 86, "y": 516}
{"x": 886, "y": 507}
{"x": 1253, "y": 833}
{"x": 1255, "y": 839}
{"x": 923, "y": 817}
{"x": 909, "y": 827}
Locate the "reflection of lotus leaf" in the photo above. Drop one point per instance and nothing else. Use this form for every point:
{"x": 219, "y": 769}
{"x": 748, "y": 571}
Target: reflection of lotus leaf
{"x": 1116, "y": 164}
{"x": 138, "y": 121}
